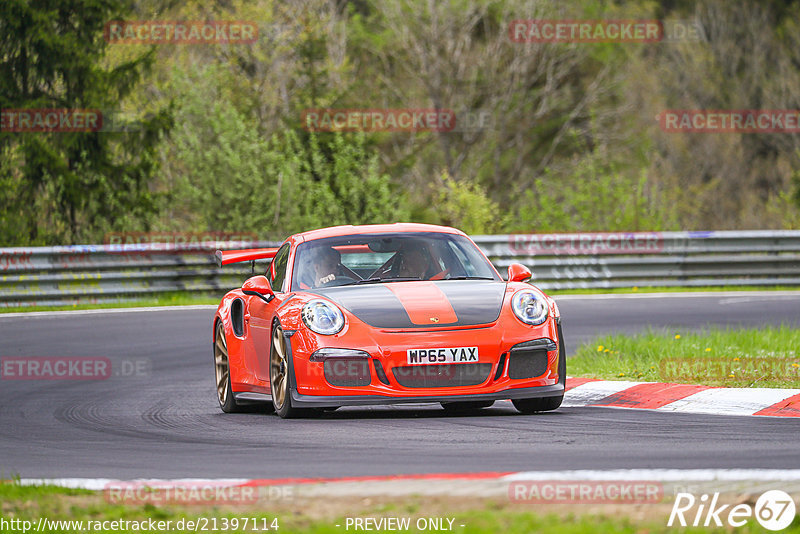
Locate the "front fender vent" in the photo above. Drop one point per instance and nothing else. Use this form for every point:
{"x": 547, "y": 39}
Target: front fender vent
{"x": 237, "y": 317}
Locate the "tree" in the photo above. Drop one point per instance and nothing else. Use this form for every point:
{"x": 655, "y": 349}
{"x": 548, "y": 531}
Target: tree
{"x": 523, "y": 99}
{"x": 230, "y": 177}
{"x": 747, "y": 58}
{"x": 72, "y": 186}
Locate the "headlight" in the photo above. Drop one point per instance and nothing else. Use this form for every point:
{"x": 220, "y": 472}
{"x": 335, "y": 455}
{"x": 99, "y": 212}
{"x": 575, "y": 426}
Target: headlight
{"x": 323, "y": 317}
{"x": 529, "y": 306}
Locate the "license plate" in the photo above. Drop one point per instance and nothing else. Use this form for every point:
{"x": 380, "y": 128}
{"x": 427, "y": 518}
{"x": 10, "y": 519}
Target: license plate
{"x": 445, "y": 355}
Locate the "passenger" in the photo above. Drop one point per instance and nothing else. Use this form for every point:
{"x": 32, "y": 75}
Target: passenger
{"x": 414, "y": 261}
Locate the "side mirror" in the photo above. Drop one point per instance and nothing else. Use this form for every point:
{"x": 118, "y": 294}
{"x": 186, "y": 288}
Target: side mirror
{"x": 258, "y": 286}
{"x": 518, "y": 273}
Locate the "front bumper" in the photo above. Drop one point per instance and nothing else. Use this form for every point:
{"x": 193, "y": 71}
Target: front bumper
{"x": 324, "y": 401}
{"x": 497, "y": 345}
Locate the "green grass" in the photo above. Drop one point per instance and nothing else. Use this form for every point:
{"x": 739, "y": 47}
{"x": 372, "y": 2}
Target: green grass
{"x": 762, "y": 357}
{"x": 163, "y": 299}
{"x": 665, "y": 289}
{"x": 319, "y": 516}
{"x": 11, "y": 490}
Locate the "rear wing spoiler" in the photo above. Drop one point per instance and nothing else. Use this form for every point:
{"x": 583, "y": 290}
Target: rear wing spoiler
{"x": 226, "y": 257}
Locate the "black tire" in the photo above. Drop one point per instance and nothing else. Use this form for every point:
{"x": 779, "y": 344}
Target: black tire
{"x": 281, "y": 379}
{"x": 266, "y": 408}
{"x": 547, "y": 404}
{"x": 465, "y": 406}
{"x": 543, "y": 404}
{"x": 222, "y": 372}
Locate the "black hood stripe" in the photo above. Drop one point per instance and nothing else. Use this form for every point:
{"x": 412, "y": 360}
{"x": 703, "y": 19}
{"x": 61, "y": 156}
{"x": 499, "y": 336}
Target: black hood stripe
{"x": 475, "y": 302}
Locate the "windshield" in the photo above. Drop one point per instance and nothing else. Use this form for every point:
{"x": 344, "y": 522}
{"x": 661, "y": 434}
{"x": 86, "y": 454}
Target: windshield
{"x": 377, "y": 258}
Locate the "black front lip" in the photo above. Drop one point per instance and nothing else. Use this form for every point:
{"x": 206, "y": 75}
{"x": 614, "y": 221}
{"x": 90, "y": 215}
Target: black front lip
{"x": 324, "y": 401}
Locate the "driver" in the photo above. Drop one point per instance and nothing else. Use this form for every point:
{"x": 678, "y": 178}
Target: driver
{"x": 326, "y": 266}
{"x": 414, "y": 261}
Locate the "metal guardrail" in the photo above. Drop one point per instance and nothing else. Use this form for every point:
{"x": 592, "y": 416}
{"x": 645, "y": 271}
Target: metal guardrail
{"x": 48, "y": 276}
{"x": 651, "y": 259}
{"x": 115, "y": 273}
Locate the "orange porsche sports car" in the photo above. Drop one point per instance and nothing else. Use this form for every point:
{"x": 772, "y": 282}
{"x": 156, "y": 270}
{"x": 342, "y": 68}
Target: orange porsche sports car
{"x": 381, "y": 314}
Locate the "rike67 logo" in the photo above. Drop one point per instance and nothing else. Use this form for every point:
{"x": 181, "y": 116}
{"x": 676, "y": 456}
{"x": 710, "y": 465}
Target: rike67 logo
{"x": 774, "y": 510}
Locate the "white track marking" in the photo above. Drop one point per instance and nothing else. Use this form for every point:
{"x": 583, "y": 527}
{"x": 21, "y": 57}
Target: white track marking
{"x": 714, "y": 401}
{"x": 592, "y": 392}
{"x": 660, "y": 474}
{"x": 730, "y": 401}
{"x": 99, "y": 484}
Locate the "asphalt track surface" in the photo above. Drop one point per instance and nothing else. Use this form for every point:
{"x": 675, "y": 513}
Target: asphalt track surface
{"x": 166, "y": 424}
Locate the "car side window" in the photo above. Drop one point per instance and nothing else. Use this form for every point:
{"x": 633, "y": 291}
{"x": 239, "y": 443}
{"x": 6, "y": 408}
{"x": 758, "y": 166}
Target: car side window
{"x": 277, "y": 269}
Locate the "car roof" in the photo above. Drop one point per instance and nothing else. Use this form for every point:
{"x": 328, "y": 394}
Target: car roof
{"x": 350, "y": 229}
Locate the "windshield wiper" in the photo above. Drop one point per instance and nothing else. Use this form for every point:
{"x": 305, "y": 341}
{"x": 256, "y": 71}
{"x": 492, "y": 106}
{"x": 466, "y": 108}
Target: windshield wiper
{"x": 469, "y": 278}
{"x": 379, "y": 280}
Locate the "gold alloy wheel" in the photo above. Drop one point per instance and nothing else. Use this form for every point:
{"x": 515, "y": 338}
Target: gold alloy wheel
{"x": 221, "y": 367}
{"x": 278, "y": 368}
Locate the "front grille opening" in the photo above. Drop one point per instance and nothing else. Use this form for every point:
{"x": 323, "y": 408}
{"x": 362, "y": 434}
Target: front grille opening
{"x": 527, "y": 363}
{"x": 380, "y": 373}
{"x": 501, "y": 366}
{"x": 347, "y": 372}
{"x": 443, "y": 375}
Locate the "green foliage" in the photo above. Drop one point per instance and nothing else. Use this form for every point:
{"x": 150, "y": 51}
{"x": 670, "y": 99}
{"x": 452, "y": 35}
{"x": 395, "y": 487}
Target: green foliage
{"x": 464, "y": 206}
{"x": 215, "y": 161}
{"x": 69, "y": 187}
{"x": 571, "y": 142}
{"x": 347, "y": 174}
{"x": 597, "y": 197}
{"x": 796, "y": 187}
{"x": 16, "y": 213}
{"x": 228, "y": 177}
